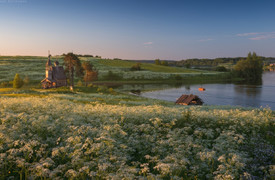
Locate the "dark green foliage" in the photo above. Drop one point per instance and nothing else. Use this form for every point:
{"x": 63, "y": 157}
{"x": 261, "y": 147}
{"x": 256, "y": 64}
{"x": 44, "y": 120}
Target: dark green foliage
{"x": 84, "y": 55}
{"x": 205, "y": 62}
{"x": 17, "y": 82}
{"x": 164, "y": 63}
{"x": 90, "y": 73}
{"x": 157, "y": 62}
{"x": 220, "y": 69}
{"x": 26, "y": 80}
{"x": 87, "y": 66}
{"x": 4, "y": 84}
{"x": 136, "y": 67}
{"x": 112, "y": 76}
{"x": 250, "y": 68}
{"x": 187, "y": 65}
{"x": 73, "y": 64}
{"x": 178, "y": 77}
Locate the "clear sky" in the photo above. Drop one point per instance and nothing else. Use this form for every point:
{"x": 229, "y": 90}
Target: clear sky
{"x": 138, "y": 29}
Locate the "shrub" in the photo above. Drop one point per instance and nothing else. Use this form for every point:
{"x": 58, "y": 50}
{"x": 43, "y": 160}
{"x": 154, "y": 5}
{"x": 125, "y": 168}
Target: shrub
{"x": 111, "y": 90}
{"x": 4, "y": 84}
{"x": 112, "y": 76}
{"x": 26, "y": 80}
{"x": 17, "y": 82}
{"x": 79, "y": 83}
{"x": 220, "y": 69}
{"x": 178, "y": 77}
{"x": 136, "y": 67}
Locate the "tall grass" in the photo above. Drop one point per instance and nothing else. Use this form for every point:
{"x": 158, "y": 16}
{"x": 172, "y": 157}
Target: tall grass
{"x": 105, "y": 136}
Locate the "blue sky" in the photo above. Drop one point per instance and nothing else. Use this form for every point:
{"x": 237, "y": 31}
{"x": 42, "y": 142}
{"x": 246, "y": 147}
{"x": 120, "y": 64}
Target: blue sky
{"x": 138, "y": 29}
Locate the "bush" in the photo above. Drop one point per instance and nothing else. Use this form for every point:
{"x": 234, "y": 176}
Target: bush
{"x": 187, "y": 65}
{"x": 79, "y": 83}
{"x": 136, "y": 67}
{"x": 17, "y": 82}
{"x": 26, "y": 80}
{"x": 112, "y": 76}
{"x": 4, "y": 84}
{"x": 220, "y": 69}
{"x": 178, "y": 77}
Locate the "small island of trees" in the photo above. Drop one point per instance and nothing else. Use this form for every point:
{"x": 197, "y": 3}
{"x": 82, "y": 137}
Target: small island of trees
{"x": 250, "y": 68}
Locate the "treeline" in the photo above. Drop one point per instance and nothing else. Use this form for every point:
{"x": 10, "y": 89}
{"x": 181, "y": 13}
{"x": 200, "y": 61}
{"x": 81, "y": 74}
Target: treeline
{"x": 213, "y": 62}
{"x": 84, "y": 55}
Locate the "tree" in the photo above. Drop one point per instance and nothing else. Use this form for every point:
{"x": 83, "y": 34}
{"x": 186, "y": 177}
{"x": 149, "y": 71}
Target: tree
{"x": 157, "y": 62}
{"x": 164, "y": 63}
{"x": 73, "y": 64}
{"x": 112, "y": 76}
{"x": 187, "y": 65}
{"x": 220, "y": 69}
{"x": 90, "y": 73}
{"x": 26, "y": 80}
{"x": 17, "y": 82}
{"x": 250, "y": 68}
{"x": 79, "y": 83}
{"x": 136, "y": 67}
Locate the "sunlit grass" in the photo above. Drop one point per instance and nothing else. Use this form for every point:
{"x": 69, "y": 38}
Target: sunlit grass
{"x": 76, "y": 135}
{"x": 145, "y": 66}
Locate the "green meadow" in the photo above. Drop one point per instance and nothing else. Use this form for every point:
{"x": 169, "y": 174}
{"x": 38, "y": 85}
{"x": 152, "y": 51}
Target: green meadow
{"x": 34, "y": 69}
{"x": 96, "y": 132}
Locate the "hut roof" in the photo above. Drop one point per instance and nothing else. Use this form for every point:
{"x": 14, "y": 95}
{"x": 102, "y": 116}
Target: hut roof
{"x": 187, "y": 99}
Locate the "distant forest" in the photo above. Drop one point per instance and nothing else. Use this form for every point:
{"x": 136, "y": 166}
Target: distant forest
{"x": 214, "y": 62}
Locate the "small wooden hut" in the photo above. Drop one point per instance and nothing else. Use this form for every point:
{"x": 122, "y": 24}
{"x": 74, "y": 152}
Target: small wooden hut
{"x": 189, "y": 100}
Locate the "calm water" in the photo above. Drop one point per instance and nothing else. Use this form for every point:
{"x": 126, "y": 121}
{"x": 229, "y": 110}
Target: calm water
{"x": 261, "y": 95}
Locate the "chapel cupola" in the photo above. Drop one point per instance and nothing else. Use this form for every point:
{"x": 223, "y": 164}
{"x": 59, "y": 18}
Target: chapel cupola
{"x": 49, "y": 63}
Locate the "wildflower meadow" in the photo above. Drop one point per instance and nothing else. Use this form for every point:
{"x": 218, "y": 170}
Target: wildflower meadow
{"x": 53, "y": 137}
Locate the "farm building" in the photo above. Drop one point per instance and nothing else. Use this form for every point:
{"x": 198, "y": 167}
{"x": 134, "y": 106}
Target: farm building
{"x": 55, "y": 75}
{"x": 189, "y": 100}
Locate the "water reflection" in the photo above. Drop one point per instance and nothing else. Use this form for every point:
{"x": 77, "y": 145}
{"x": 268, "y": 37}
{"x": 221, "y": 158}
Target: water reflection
{"x": 248, "y": 94}
{"x": 245, "y": 94}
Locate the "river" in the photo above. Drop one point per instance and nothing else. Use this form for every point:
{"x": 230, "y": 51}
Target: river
{"x": 234, "y": 94}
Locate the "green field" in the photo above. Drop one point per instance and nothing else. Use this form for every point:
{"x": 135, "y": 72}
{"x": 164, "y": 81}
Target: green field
{"x": 34, "y": 69}
{"x": 91, "y": 134}
{"x": 97, "y": 133}
{"x": 127, "y": 64}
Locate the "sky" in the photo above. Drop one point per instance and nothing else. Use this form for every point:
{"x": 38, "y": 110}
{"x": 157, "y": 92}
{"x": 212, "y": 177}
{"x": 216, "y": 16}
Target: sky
{"x": 138, "y": 29}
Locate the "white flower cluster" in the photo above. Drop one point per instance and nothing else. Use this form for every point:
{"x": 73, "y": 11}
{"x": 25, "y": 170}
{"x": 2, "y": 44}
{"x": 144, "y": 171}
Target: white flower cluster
{"x": 59, "y": 137}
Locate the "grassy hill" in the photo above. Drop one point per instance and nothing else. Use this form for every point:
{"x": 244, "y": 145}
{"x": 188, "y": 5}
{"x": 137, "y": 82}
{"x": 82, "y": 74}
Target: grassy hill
{"x": 97, "y": 133}
{"x": 127, "y": 64}
{"x": 34, "y": 68}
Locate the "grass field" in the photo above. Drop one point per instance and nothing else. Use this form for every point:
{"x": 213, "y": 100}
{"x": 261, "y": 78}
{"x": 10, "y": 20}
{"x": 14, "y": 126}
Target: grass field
{"x": 98, "y": 133}
{"x": 31, "y": 66}
{"x": 86, "y": 134}
{"x": 127, "y": 64}
{"x": 34, "y": 68}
